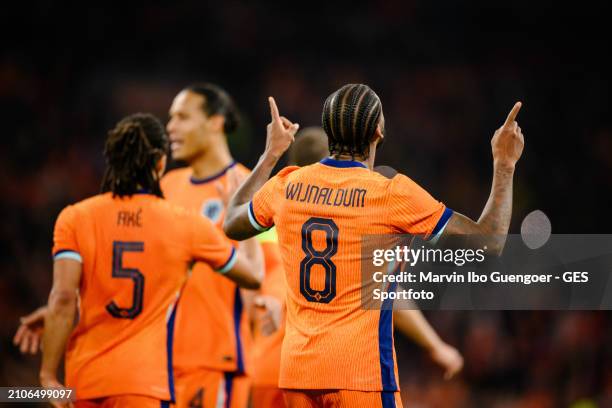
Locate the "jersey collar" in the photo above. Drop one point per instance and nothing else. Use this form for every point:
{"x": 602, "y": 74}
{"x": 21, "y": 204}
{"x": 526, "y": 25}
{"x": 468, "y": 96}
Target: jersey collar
{"x": 328, "y": 161}
{"x": 195, "y": 180}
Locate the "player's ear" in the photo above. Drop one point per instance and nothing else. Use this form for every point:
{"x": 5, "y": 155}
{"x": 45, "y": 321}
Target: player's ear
{"x": 216, "y": 123}
{"x": 379, "y": 134}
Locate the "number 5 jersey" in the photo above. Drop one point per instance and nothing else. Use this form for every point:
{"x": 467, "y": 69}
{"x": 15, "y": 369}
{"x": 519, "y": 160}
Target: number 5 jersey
{"x": 135, "y": 253}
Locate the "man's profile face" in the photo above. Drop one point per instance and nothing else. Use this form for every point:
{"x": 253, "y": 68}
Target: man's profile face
{"x": 188, "y": 126}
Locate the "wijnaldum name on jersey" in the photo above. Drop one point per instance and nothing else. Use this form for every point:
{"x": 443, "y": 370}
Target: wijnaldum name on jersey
{"x": 313, "y": 194}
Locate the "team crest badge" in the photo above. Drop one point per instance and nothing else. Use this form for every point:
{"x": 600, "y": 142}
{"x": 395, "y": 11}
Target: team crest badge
{"x": 213, "y": 209}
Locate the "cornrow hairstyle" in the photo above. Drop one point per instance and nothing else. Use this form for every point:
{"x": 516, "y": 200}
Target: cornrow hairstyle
{"x": 350, "y": 116}
{"x": 132, "y": 150}
{"x": 217, "y": 102}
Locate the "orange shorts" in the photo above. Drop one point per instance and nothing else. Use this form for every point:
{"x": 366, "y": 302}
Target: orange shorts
{"x": 122, "y": 401}
{"x": 341, "y": 399}
{"x": 207, "y": 388}
{"x": 240, "y": 391}
{"x": 267, "y": 396}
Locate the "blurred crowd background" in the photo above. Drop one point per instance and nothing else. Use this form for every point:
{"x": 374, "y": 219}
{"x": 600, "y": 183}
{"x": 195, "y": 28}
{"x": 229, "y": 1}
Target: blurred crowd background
{"x": 447, "y": 73}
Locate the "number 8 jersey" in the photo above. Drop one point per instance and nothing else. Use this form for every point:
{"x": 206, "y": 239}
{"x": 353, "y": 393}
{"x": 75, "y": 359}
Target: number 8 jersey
{"x": 321, "y": 213}
{"x": 135, "y": 254}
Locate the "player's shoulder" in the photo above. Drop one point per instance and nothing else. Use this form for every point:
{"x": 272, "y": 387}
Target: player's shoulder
{"x": 289, "y": 170}
{"x": 86, "y": 206}
{"x": 402, "y": 180}
{"x": 174, "y": 210}
{"x": 92, "y": 203}
{"x": 402, "y": 186}
{"x": 287, "y": 173}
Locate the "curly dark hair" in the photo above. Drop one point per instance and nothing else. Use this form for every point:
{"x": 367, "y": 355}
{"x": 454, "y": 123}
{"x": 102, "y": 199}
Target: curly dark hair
{"x": 132, "y": 150}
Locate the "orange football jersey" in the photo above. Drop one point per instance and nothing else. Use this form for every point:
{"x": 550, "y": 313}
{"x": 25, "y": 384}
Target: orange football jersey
{"x": 321, "y": 213}
{"x": 223, "y": 342}
{"x": 135, "y": 253}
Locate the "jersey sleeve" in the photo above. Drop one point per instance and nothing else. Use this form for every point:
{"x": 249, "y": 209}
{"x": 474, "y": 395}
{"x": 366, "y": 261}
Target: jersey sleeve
{"x": 65, "y": 244}
{"x": 413, "y": 210}
{"x": 264, "y": 203}
{"x": 210, "y": 245}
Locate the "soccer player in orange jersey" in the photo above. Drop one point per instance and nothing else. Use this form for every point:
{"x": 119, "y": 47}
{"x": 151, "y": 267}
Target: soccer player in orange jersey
{"x": 121, "y": 258}
{"x": 268, "y": 334}
{"x": 309, "y": 147}
{"x": 336, "y": 353}
{"x": 211, "y": 353}
{"x": 211, "y": 361}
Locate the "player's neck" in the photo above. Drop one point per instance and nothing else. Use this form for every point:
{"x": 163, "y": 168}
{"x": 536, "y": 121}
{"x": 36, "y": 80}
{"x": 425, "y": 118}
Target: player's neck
{"x": 368, "y": 162}
{"x": 212, "y": 160}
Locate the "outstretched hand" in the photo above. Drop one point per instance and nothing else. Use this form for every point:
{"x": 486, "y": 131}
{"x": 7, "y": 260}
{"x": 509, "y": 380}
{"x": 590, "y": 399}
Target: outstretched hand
{"x": 449, "y": 358}
{"x": 29, "y": 334}
{"x": 281, "y": 132}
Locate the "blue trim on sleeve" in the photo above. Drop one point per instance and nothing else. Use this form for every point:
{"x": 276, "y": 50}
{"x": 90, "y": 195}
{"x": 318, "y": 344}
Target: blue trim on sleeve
{"x": 441, "y": 222}
{"x": 328, "y": 161}
{"x": 68, "y": 254}
{"x": 253, "y": 220}
{"x": 195, "y": 180}
{"x": 229, "y": 264}
{"x": 385, "y": 343}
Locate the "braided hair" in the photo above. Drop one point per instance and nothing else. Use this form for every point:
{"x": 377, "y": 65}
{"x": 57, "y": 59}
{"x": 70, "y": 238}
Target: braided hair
{"x": 132, "y": 150}
{"x": 350, "y": 117}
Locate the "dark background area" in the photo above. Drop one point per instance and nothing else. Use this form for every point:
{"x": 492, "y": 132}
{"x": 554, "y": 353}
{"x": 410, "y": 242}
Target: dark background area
{"x": 447, "y": 73}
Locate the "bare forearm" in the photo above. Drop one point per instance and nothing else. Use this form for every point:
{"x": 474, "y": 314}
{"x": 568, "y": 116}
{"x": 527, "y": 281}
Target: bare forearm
{"x": 253, "y": 252}
{"x": 492, "y": 226}
{"x": 413, "y": 324}
{"x": 58, "y": 326}
{"x": 491, "y": 229}
{"x": 495, "y": 218}
{"x": 255, "y": 180}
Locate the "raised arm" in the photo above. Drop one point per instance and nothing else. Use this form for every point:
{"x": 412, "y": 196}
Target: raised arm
{"x": 280, "y": 134}
{"x": 491, "y": 228}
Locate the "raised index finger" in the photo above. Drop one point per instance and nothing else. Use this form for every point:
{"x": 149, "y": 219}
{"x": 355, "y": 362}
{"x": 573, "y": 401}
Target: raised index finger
{"x": 512, "y": 115}
{"x": 274, "y": 110}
